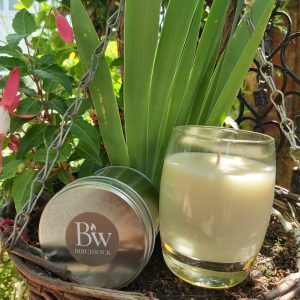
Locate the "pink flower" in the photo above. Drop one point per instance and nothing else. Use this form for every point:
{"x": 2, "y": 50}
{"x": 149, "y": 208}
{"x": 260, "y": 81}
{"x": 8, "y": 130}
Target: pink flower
{"x": 10, "y": 97}
{"x": 10, "y": 101}
{"x": 64, "y": 29}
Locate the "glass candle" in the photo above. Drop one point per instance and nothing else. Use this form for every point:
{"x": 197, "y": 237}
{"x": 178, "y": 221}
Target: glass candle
{"x": 215, "y": 203}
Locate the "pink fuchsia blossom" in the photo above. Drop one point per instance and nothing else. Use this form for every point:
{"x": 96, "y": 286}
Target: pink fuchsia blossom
{"x": 10, "y": 96}
{"x": 10, "y": 101}
{"x": 64, "y": 29}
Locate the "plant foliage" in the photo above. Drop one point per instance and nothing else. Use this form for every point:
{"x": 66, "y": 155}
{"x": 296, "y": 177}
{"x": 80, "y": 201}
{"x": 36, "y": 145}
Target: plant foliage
{"x": 50, "y": 71}
{"x": 174, "y": 76}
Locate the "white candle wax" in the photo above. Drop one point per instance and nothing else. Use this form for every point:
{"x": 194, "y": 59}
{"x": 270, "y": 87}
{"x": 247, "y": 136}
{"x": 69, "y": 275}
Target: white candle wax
{"x": 221, "y": 211}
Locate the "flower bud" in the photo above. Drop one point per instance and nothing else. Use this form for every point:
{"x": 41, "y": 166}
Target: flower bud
{"x": 63, "y": 27}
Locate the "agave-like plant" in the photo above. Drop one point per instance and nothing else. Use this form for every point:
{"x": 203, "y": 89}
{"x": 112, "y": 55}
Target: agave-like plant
{"x": 171, "y": 76}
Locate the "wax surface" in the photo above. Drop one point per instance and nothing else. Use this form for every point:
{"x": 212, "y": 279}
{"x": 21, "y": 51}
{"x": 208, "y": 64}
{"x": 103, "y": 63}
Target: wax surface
{"x": 215, "y": 212}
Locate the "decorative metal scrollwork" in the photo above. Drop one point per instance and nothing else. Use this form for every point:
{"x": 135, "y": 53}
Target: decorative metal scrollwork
{"x": 257, "y": 112}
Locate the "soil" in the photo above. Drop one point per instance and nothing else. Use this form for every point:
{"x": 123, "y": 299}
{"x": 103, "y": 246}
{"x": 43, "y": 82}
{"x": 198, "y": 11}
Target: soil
{"x": 276, "y": 260}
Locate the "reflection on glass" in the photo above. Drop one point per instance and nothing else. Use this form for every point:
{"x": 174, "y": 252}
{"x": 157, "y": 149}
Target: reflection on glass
{"x": 215, "y": 203}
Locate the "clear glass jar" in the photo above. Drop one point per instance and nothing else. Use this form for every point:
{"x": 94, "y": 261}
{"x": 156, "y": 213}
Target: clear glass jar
{"x": 216, "y": 198}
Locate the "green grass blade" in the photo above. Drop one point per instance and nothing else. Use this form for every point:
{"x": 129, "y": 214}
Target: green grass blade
{"x": 177, "y": 91}
{"x": 176, "y": 26}
{"x": 141, "y": 36}
{"x": 202, "y": 101}
{"x": 237, "y": 15}
{"x": 238, "y": 56}
{"x": 101, "y": 87}
{"x": 205, "y": 58}
{"x": 200, "y": 104}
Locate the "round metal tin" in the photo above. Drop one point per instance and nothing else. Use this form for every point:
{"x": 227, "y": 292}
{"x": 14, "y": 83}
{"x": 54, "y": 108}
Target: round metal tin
{"x": 102, "y": 227}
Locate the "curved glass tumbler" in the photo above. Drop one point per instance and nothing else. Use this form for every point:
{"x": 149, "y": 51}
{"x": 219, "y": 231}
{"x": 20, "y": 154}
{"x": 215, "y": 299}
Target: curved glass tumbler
{"x": 216, "y": 199}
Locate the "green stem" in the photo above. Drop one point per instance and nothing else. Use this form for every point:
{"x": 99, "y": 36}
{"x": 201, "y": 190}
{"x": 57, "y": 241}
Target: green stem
{"x": 43, "y": 29}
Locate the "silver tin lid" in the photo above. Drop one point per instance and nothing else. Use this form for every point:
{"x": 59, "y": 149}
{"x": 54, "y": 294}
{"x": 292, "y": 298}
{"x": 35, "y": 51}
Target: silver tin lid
{"x": 100, "y": 229}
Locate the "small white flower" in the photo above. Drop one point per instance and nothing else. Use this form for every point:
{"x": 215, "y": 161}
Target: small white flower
{"x": 4, "y": 120}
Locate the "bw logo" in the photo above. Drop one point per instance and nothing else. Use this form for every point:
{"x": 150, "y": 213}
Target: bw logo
{"x": 92, "y": 239}
{"x": 88, "y": 234}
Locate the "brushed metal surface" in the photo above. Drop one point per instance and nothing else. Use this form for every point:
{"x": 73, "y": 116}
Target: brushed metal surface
{"x": 135, "y": 246}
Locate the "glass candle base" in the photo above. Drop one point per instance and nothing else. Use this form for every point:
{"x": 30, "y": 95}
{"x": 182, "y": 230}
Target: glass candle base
{"x": 206, "y": 274}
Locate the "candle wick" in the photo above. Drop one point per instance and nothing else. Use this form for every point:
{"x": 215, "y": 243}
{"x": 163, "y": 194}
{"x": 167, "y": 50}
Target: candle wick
{"x": 218, "y": 158}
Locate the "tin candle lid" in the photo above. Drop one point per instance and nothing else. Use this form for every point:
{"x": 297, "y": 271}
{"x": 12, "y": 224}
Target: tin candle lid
{"x": 100, "y": 229}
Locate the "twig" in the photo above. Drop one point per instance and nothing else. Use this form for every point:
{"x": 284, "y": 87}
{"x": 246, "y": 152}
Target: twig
{"x": 297, "y": 238}
{"x": 285, "y": 224}
{"x": 288, "y": 285}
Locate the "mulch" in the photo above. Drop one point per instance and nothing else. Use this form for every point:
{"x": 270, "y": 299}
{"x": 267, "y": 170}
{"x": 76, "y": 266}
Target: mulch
{"x": 276, "y": 260}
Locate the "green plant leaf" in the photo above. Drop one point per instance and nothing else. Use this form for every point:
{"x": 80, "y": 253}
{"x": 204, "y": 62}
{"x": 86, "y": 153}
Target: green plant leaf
{"x": 101, "y": 87}
{"x": 85, "y": 105}
{"x": 32, "y": 138}
{"x": 45, "y": 60}
{"x": 40, "y": 17}
{"x": 24, "y": 23}
{"x": 166, "y": 63}
{"x": 87, "y": 152}
{"x": 117, "y": 62}
{"x": 27, "y": 3}
{"x": 75, "y": 156}
{"x": 65, "y": 153}
{"x": 41, "y": 45}
{"x": 55, "y": 73}
{"x": 177, "y": 91}
{"x": 16, "y": 123}
{"x": 13, "y": 51}
{"x": 49, "y": 85}
{"x": 50, "y": 24}
{"x": 14, "y": 38}
{"x": 12, "y": 62}
{"x": 10, "y": 168}
{"x": 29, "y": 106}
{"x": 57, "y": 103}
{"x": 49, "y": 134}
{"x": 64, "y": 177}
{"x": 55, "y": 41}
{"x": 141, "y": 36}
{"x": 238, "y": 56}
{"x": 21, "y": 188}
{"x": 40, "y": 156}
{"x": 86, "y": 133}
{"x": 6, "y": 186}
{"x": 205, "y": 61}
{"x": 87, "y": 168}
{"x": 29, "y": 92}
{"x": 63, "y": 54}
{"x": 237, "y": 15}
